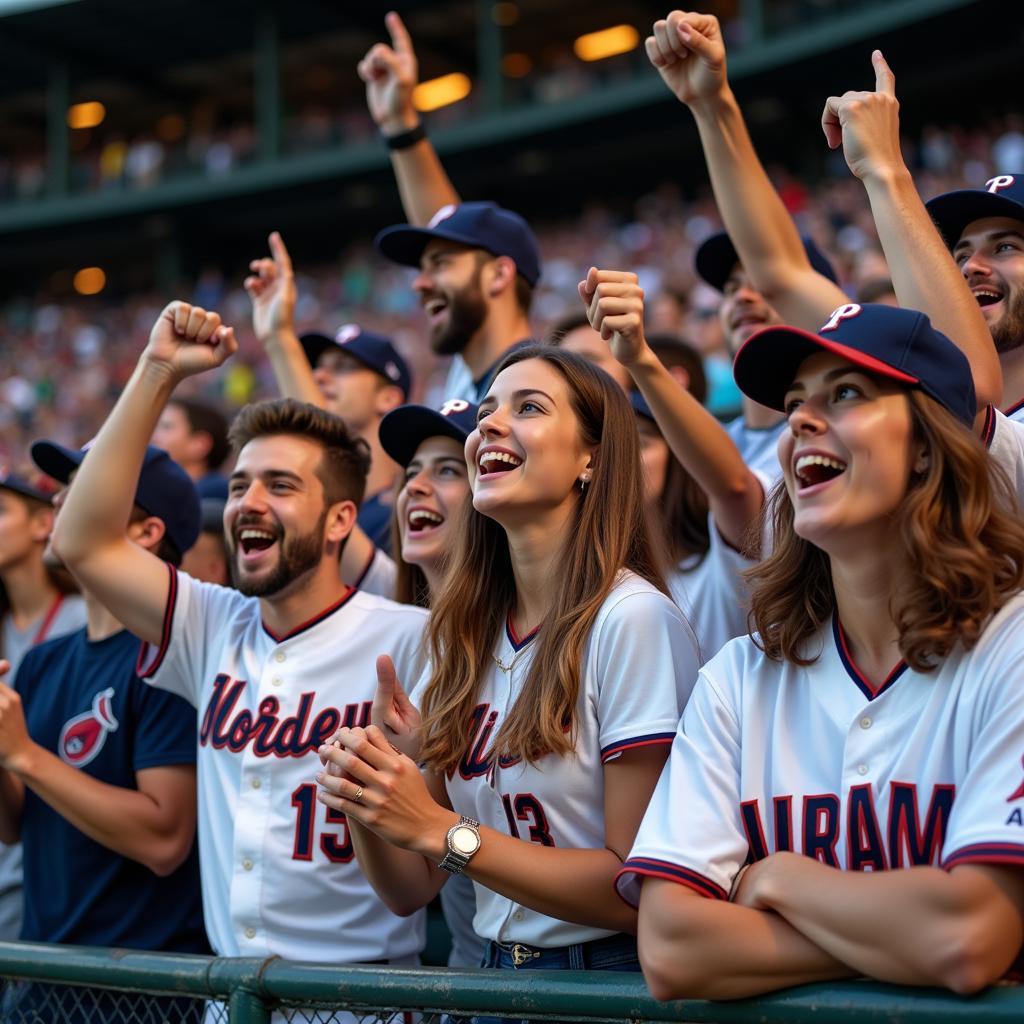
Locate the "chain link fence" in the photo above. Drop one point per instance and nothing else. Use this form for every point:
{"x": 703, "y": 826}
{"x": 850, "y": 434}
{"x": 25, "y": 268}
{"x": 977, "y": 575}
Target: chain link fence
{"x": 74, "y": 985}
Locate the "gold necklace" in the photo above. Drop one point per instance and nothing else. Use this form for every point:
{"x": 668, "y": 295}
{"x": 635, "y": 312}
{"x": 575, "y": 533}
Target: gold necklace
{"x": 512, "y": 664}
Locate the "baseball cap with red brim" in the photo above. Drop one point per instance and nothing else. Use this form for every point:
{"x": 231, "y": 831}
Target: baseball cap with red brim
{"x": 900, "y": 344}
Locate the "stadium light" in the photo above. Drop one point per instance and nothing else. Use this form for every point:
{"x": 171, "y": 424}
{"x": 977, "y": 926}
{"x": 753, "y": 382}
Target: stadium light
{"x": 516, "y": 65}
{"x": 90, "y": 281}
{"x": 441, "y": 92}
{"x": 86, "y": 115}
{"x": 609, "y": 42}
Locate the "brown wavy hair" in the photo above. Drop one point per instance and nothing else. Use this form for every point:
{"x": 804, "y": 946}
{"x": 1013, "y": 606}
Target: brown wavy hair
{"x": 961, "y": 542}
{"x": 608, "y": 533}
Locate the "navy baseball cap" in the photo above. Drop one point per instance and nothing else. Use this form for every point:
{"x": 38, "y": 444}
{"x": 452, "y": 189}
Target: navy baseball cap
{"x": 717, "y": 256}
{"x": 164, "y": 490}
{"x": 404, "y": 429}
{"x": 640, "y": 406}
{"x": 1002, "y": 196}
{"x": 897, "y": 343}
{"x": 477, "y": 225}
{"x": 31, "y": 484}
{"x": 374, "y": 351}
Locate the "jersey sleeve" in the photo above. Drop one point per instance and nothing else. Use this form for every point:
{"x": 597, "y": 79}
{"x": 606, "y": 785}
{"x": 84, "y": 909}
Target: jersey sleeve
{"x": 195, "y": 620}
{"x": 986, "y": 825}
{"x": 646, "y": 664}
{"x": 379, "y": 575}
{"x": 1005, "y": 441}
{"x": 163, "y": 729}
{"x": 691, "y": 833}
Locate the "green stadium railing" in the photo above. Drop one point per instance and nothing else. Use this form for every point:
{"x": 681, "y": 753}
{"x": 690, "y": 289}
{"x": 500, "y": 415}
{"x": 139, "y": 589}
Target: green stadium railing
{"x": 80, "y": 985}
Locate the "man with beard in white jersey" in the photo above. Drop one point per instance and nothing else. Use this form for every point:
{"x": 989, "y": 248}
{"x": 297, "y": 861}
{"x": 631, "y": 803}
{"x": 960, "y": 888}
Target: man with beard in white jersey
{"x": 273, "y": 668}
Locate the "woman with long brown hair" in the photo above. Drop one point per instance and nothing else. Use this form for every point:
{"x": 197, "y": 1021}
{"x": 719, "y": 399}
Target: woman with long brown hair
{"x": 844, "y": 795}
{"x": 559, "y": 669}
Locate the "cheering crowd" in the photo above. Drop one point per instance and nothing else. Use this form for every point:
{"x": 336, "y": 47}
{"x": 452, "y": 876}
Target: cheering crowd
{"x": 629, "y": 688}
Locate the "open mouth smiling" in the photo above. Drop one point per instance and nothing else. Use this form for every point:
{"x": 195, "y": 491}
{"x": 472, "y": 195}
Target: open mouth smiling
{"x": 814, "y": 468}
{"x": 423, "y": 520}
{"x": 494, "y": 461}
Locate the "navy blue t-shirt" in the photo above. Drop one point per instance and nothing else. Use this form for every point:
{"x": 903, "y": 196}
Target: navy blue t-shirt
{"x": 375, "y": 519}
{"x": 84, "y": 702}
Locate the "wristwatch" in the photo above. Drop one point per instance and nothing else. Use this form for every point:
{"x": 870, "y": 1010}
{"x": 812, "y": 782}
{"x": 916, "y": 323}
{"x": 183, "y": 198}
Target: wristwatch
{"x": 463, "y": 842}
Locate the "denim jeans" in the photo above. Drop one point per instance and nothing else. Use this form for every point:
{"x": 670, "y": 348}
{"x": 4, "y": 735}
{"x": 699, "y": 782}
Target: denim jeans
{"x": 614, "y": 953}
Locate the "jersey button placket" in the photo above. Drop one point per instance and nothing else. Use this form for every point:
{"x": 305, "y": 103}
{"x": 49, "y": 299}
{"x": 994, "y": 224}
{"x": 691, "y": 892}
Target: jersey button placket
{"x": 252, "y": 820}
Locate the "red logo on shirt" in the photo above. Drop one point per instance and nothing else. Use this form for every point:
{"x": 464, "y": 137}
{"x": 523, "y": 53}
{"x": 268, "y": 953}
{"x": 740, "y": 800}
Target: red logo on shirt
{"x": 83, "y": 736}
{"x": 1018, "y": 793}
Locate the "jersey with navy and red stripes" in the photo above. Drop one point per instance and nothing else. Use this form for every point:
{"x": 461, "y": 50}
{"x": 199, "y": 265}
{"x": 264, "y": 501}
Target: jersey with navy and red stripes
{"x": 639, "y": 665}
{"x": 923, "y": 768}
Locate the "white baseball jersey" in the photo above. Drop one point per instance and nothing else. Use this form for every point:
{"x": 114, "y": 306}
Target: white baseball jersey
{"x": 1004, "y": 438}
{"x": 712, "y": 592}
{"x": 1016, "y": 412}
{"x": 924, "y": 769}
{"x": 639, "y": 665}
{"x": 379, "y": 576}
{"x": 278, "y": 871}
{"x": 758, "y": 446}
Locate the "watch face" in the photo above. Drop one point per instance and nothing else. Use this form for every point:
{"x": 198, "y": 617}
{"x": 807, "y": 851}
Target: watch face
{"x": 465, "y": 840}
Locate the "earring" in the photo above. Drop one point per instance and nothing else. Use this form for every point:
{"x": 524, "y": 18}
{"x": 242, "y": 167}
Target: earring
{"x": 584, "y": 480}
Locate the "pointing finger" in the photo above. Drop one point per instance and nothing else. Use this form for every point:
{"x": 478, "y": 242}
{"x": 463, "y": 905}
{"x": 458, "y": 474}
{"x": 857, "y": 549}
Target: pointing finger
{"x": 400, "y": 38}
{"x": 885, "y": 80}
{"x": 280, "y": 253}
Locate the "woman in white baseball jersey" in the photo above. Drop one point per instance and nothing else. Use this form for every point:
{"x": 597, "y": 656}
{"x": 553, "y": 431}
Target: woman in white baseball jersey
{"x": 707, "y": 500}
{"x": 560, "y": 667}
{"x": 876, "y": 720}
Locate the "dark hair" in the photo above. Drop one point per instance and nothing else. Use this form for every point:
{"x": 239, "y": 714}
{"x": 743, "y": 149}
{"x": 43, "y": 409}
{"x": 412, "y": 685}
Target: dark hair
{"x": 207, "y": 419}
{"x": 167, "y": 550}
{"x": 566, "y": 325}
{"x": 346, "y": 459}
{"x": 961, "y": 541}
{"x": 609, "y": 533}
{"x": 672, "y": 352}
{"x": 874, "y": 289}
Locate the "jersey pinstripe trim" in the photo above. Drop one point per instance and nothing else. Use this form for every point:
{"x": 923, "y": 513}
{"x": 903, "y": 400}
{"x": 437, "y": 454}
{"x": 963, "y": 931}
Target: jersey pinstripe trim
{"x": 863, "y": 683}
{"x": 988, "y": 428}
{"x": 142, "y": 670}
{"x": 986, "y": 853}
{"x": 1014, "y": 409}
{"x": 366, "y": 568}
{"x": 648, "y": 867}
{"x": 310, "y": 623}
{"x": 650, "y": 740}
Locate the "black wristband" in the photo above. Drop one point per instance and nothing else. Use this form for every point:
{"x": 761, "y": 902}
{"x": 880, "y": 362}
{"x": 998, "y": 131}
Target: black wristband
{"x": 403, "y": 140}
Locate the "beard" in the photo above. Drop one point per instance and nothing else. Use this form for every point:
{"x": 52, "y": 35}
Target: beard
{"x": 298, "y": 556}
{"x": 467, "y": 311}
{"x": 1008, "y": 331}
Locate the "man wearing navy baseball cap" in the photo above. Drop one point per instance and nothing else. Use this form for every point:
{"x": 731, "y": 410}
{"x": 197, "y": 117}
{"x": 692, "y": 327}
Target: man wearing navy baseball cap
{"x": 984, "y": 229}
{"x": 102, "y": 778}
{"x": 478, "y": 262}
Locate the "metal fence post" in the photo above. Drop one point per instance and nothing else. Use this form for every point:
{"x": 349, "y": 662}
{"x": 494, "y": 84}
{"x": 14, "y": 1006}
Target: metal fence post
{"x": 247, "y": 1007}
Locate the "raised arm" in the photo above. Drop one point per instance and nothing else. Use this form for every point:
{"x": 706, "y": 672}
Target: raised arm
{"x": 924, "y": 275}
{"x": 390, "y": 74}
{"x": 89, "y": 534}
{"x": 271, "y": 287}
{"x": 615, "y": 308}
{"x": 688, "y": 51}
